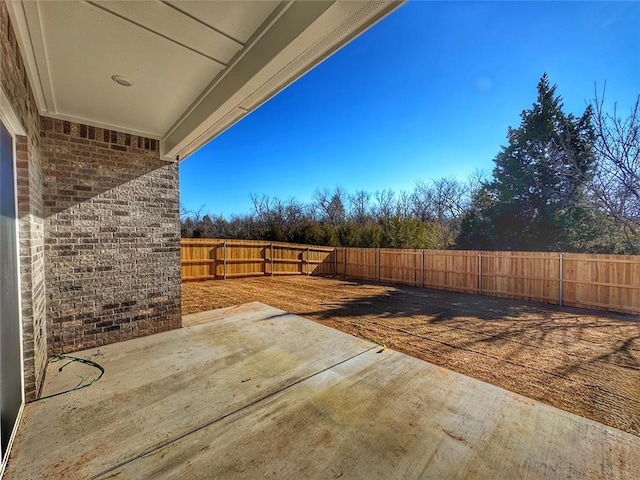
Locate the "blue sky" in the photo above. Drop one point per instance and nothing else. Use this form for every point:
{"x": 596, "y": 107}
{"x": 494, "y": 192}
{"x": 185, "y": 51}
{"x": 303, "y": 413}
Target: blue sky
{"x": 428, "y": 92}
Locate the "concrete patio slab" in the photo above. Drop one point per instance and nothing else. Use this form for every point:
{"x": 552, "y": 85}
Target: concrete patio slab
{"x": 254, "y": 392}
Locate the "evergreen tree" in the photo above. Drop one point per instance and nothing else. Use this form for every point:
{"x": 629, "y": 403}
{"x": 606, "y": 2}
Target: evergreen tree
{"x": 537, "y": 197}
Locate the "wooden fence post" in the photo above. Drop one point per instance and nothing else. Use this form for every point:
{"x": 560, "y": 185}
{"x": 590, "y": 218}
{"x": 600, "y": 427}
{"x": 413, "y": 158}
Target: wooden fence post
{"x": 271, "y": 257}
{"x": 224, "y": 260}
{"x": 344, "y": 269}
{"x": 378, "y": 264}
{"x": 308, "y": 265}
{"x": 422, "y": 269}
{"x": 214, "y": 264}
{"x": 561, "y": 280}
{"x": 479, "y": 273}
{"x": 335, "y": 261}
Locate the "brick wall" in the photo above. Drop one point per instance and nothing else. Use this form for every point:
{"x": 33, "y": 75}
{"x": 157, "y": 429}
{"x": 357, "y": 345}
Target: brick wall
{"x": 14, "y": 82}
{"x": 112, "y": 236}
{"x": 98, "y": 225}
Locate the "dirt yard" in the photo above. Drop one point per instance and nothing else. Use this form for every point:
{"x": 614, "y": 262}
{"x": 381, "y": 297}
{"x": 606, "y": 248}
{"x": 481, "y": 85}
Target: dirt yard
{"x": 582, "y": 361}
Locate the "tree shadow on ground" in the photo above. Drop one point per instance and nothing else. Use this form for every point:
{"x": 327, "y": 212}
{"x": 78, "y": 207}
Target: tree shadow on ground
{"x": 490, "y": 324}
{"x": 441, "y": 306}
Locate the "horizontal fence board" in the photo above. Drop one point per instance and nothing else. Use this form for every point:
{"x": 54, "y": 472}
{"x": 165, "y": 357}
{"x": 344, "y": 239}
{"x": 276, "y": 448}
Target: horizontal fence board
{"x": 609, "y": 282}
{"x": 219, "y": 259}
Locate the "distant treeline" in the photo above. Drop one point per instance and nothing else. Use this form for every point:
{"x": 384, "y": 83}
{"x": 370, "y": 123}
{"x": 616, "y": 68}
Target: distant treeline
{"x": 427, "y": 217}
{"x": 563, "y": 183}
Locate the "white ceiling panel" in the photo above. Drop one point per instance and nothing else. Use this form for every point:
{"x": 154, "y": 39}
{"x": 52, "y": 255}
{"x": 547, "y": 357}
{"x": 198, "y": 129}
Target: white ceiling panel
{"x": 239, "y": 19}
{"x": 165, "y": 21}
{"x": 82, "y": 60}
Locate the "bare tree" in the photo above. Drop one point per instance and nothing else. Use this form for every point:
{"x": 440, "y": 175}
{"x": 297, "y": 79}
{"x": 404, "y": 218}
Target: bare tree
{"x": 191, "y": 222}
{"x": 331, "y": 205}
{"x": 320, "y": 202}
{"x": 359, "y": 206}
{"x": 475, "y": 181}
{"x": 261, "y": 206}
{"x": 385, "y": 200}
{"x": 404, "y": 204}
{"x": 293, "y": 212}
{"x": 616, "y": 183}
{"x": 441, "y": 199}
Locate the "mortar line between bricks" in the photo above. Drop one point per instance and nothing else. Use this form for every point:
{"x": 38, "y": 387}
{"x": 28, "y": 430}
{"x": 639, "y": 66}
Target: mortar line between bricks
{"x": 166, "y": 443}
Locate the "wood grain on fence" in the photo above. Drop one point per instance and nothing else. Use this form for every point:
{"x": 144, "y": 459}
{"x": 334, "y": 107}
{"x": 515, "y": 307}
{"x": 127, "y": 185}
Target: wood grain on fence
{"x": 219, "y": 259}
{"x": 608, "y": 282}
{"x": 524, "y": 275}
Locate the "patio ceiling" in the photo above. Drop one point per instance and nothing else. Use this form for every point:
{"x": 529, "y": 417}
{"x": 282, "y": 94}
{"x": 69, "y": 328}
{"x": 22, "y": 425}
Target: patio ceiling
{"x": 196, "y": 67}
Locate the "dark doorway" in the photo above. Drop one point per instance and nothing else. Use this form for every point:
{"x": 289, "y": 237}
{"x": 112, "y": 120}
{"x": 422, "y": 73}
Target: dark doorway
{"x": 11, "y": 397}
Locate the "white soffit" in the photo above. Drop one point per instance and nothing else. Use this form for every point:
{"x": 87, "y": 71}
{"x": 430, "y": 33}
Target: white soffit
{"x": 197, "y": 66}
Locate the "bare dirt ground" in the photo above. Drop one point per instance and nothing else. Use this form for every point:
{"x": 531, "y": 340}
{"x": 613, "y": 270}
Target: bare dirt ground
{"x": 582, "y": 361}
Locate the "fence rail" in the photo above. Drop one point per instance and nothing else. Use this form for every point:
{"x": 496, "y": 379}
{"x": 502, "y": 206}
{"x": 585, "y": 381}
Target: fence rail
{"x": 219, "y": 259}
{"x": 608, "y": 282}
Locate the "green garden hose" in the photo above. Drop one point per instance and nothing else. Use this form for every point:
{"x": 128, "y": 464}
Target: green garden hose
{"x": 71, "y": 359}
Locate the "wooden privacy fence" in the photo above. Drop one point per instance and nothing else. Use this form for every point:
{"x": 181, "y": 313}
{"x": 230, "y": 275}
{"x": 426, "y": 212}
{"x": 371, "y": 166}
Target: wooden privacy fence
{"x": 608, "y": 282}
{"x": 220, "y": 259}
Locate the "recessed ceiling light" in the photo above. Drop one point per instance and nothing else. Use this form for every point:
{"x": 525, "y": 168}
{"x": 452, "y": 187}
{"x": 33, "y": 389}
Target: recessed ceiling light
{"x": 123, "y": 81}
